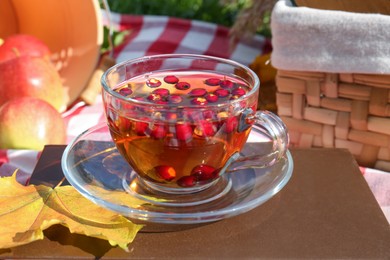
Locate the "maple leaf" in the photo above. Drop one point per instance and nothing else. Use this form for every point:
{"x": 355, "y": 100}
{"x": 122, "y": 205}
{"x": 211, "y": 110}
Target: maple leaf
{"x": 25, "y": 211}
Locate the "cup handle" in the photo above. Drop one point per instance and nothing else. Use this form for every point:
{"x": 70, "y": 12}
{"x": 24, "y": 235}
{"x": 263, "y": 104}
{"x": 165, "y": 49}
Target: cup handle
{"x": 270, "y": 125}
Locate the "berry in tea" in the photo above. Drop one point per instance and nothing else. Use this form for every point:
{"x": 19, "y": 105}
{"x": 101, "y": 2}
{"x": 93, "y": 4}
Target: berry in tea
{"x": 186, "y": 146}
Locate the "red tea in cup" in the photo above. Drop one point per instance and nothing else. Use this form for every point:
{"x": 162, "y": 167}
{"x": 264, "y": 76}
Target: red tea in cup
{"x": 186, "y": 146}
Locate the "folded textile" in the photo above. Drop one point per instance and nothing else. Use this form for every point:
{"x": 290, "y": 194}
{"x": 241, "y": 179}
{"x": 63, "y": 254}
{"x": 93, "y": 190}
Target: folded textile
{"x": 308, "y": 39}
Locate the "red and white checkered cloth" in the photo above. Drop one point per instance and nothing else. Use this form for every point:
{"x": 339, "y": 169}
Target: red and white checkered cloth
{"x": 160, "y": 34}
{"x": 155, "y": 35}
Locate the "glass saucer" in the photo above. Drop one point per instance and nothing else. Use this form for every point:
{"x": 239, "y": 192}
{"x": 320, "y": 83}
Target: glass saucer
{"x": 92, "y": 164}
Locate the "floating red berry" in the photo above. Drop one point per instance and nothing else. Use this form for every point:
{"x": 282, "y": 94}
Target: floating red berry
{"x": 211, "y": 97}
{"x": 154, "y": 97}
{"x": 201, "y": 101}
{"x": 203, "y": 172}
{"x": 186, "y": 181}
{"x": 171, "y": 79}
{"x": 205, "y": 129}
{"x": 163, "y": 92}
{"x": 182, "y": 85}
{"x": 175, "y": 98}
{"x": 140, "y": 127}
{"x": 153, "y": 83}
{"x": 197, "y": 92}
{"x": 125, "y": 91}
{"x": 222, "y": 115}
{"x": 231, "y": 124}
{"x": 239, "y": 91}
{"x": 212, "y": 81}
{"x": 157, "y": 131}
{"x": 165, "y": 172}
{"x": 124, "y": 124}
{"x": 222, "y": 92}
{"x": 209, "y": 114}
{"x": 183, "y": 131}
{"x": 226, "y": 83}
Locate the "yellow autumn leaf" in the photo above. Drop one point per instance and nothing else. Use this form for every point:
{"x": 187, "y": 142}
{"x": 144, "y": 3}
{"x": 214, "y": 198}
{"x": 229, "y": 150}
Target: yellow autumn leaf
{"x": 25, "y": 211}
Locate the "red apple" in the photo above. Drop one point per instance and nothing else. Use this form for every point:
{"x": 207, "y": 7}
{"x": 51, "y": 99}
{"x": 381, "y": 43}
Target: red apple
{"x": 30, "y": 123}
{"x": 18, "y": 45}
{"x": 33, "y": 77}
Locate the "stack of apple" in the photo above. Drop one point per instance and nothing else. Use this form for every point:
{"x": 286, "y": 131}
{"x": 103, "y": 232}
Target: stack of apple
{"x": 31, "y": 95}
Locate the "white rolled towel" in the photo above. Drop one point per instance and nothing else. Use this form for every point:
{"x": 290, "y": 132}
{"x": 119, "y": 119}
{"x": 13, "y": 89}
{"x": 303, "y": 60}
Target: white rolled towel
{"x": 308, "y": 39}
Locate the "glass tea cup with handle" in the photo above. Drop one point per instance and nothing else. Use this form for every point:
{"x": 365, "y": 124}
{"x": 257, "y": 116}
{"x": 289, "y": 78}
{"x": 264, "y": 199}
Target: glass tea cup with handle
{"x": 181, "y": 120}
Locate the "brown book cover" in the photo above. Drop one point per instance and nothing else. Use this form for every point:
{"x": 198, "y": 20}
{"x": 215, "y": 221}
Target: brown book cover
{"x": 326, "y": 211}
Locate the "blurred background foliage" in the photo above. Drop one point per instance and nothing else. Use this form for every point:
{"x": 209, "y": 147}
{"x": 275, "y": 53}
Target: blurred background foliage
{"x": 215, "y": 11}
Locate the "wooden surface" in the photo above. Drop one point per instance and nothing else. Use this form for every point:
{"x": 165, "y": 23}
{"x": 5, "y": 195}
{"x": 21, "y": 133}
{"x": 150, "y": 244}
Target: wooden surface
{"x": 326, "y": 211}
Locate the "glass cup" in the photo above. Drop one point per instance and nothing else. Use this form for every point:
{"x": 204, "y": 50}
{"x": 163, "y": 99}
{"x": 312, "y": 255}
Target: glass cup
{"x": 181, "y": 120}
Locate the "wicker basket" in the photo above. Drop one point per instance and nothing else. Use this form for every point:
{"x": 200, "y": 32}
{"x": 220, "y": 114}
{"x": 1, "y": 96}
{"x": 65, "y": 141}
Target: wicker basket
{"x": 338, "y": 110}
{"x": 333, "y": 79}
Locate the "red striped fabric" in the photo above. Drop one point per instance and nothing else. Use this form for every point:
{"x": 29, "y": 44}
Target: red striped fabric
{"x": 168, "y": 40}
{"x": 220, "y": 46}
{"x": 160, "y": 35}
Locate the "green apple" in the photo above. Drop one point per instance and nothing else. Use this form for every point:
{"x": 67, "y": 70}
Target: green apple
{"x": 30, "y": 123}
{"x": 28, "y": 76}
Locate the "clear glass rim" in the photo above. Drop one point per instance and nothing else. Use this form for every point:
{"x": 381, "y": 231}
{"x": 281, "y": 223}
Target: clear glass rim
{"x": 251, "y": 73}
